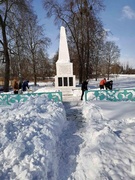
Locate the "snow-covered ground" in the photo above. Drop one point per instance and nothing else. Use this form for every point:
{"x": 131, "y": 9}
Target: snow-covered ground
{"x": 77, "y": 140}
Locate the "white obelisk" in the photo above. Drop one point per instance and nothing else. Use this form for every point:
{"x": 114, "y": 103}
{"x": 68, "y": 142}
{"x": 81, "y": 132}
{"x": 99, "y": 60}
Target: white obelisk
{"x": 64, "y": 68}
{"x": 63, "y": 47}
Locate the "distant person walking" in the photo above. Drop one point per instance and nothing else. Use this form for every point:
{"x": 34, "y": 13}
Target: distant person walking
{"x": 102, "y": 83}
{"x": 25, "y": 85}
{"x": 84, "y": 87}
{"x": 15, "y": 86}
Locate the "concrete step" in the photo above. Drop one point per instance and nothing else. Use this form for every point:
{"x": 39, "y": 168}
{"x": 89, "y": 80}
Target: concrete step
{"x": 66, "y": 92}
{"x": 70, "y": 98}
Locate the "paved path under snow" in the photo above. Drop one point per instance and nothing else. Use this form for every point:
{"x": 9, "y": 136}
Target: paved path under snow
{"x": 70, "y": 140}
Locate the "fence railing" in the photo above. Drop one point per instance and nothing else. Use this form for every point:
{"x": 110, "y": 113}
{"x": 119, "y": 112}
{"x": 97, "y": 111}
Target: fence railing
{"x": 8, "y": 99}
{"x": 111, "y": 95}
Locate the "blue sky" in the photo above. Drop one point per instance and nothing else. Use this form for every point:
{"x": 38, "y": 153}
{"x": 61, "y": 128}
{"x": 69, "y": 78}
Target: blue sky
{"x": 118, "y": 18}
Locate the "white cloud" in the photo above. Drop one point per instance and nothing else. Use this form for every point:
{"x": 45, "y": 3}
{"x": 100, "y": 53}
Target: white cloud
{"x": 107, "y": 30}
{"x": 128, "y": 12}
{"x": 113, "y": 38}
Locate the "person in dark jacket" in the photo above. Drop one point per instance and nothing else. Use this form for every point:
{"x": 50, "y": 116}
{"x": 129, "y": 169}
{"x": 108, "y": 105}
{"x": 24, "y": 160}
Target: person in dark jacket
{"x": 84, "y": 88}
{"x": 20, "y": 84}
{"x": 109, "y": 85}
{"x": 25, "y": 85}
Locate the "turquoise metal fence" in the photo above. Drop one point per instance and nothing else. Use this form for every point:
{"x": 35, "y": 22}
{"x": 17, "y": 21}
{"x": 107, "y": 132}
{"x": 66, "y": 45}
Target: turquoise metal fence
{"x": 111, "y": 95}
{"x": 8, "y": 99}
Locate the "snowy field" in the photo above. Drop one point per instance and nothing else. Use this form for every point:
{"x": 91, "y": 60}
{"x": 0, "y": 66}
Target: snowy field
{"x": 77, "y": 140}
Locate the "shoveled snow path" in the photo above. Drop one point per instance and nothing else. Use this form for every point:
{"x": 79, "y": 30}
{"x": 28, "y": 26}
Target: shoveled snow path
{"x": 70, "y": 140}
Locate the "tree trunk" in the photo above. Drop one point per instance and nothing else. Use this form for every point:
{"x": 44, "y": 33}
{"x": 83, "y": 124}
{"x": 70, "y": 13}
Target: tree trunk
{"x": 6, "y": 56}
{"x": 7, "y": 72}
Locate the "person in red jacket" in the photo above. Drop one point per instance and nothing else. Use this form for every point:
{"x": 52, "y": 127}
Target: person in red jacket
{"x": 102, "y": 83}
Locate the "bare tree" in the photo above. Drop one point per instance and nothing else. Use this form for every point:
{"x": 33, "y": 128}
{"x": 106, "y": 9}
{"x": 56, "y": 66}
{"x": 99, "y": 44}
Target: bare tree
{"x": 22, "y": 39}
{"x": 44, "y": 66}
{"x": 8, "y": 10}
{"x": 80, "y": 17}
{"x": 17, "y": 42}
{"x": 35, "y": 41}
{"x": 111, "y": 55}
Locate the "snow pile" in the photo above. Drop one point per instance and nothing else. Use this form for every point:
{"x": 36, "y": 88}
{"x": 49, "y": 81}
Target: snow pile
{"x": 28, "y": 136}
{"x": 108, "y": 150}
{"x": 73, "y": 140}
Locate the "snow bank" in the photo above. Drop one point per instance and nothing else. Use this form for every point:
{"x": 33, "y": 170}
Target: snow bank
{"x": 108, "y": 149}
{"x": 28, "y": 138}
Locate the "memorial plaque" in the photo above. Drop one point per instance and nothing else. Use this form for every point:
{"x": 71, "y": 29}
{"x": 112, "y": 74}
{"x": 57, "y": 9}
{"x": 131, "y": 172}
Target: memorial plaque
{"x": 65, "y": 81}
{"x": 70, "y": 81}
{"x": 59, "y": 81}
